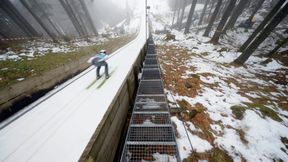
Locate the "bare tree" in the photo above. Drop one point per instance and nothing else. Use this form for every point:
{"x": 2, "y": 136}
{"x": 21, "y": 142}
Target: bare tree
{"x": 72, "y": 17}
{"x": 212, "y": 5}
{"x": 283, "y": 42}
{"x": 8, "y": 7}
{"x": 255, "y": 9}
{"x": 9, "y": 28}
{"x": 189, "y": 19}
{"x": 203, "y": 12}
{"x": 235, "y": 14}
{"x": 223, "y": 9}
{"x": 79, "y": 15}
{"x": 174, "y": 14}
{"x": 262, "y": 25}
{"x": 182, "y": 14}
{"x": 89, "y": 17}
{"x": 41, "y": 8}
{"x": 281, "y": 14}
{"x": 40, "y": 22}
{"x": 211, "y": 22}
{"x": 222, "y": 23}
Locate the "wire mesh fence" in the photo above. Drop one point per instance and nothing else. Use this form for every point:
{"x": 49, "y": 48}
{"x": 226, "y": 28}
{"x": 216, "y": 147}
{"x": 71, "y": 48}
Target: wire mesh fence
{"x": 150, "y": 98}
{"x": 150, "y": 118}
{"x": 150, "y": 74}
{"x": 150, "y": 87}
{"x": 160, "y": 152}
{"x": 150, "y": 61}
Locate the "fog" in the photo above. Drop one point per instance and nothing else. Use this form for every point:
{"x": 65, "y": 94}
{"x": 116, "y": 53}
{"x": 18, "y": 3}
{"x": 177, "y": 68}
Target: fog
{"x": 57, "y": 19}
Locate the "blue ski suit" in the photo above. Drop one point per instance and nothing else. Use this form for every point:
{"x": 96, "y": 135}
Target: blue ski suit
{"x": 98, "y": 61}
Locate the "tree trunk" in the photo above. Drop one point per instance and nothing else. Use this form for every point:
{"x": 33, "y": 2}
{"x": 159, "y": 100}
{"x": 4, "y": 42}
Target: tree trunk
{"x": 78, "y": 16}
{"x": 222, "y": 23}
{"x": 222, "y": 9}
{"x": 50, "y": 34}
{"x": 178, "y": 13}
{"x": 277, "y": 47}
{"x": 3, "y": 35}
{"x": 262, "y": 24}
{"x": 235, "y": 14}
{"x": 18, "y": 18}
{"x": 46, "y": 16}
{"x": 203, "y": 12}
{"x": 174, "y": 14}
{"x": 189, "y": 19}
{"x": 211, "y": 22}
{"x": 182, "y": 14}
{"x": 210, "y": 10}
{"x": 72, "y": 17}
{"x": 257, "y": 7}
{"x": 90, "y": 21}
{"x": 263, "y": 35}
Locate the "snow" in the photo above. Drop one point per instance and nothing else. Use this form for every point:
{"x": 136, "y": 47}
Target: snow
{"x": 263, "y": 136}
{"x": 183, "y": 143}
{"x": 31, "y": 49}
{"x": 261, "y": 132}
{"x": 20, "y": 79}
{"x": 59, "y": 128}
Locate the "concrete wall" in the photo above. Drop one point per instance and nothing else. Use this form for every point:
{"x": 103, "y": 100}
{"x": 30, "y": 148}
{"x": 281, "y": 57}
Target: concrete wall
{"x": 104, "y": 142}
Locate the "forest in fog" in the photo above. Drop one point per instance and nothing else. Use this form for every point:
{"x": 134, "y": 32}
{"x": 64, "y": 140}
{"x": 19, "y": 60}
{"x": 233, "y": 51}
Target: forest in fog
{"x": 58, "y": 19}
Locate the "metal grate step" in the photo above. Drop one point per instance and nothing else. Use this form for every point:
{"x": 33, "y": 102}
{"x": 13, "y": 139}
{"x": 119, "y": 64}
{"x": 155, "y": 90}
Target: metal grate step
{"x": 151, "y": 49}
{"x": 150, "y": 66}
{"x": 151, "y": 57}
{"x": 151, "y": 118}
{"x": 150, "y": 61}
{"x": 149, "y": 74}
{"x": 150, "y": 87}
{"x": 151, "y": 134}
{"x": 150, "y": 98}
{"x": 151, "y": 107}
{"x": 161, "y": 152}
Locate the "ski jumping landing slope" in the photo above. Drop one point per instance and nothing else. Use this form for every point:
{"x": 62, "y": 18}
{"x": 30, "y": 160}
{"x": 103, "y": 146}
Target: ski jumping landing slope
{"x": 59, "y": 128}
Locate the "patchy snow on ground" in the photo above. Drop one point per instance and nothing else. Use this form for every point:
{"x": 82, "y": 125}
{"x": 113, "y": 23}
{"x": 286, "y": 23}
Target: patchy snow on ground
{"x": 227, "y": 86}
{"x": 184, "y": 146}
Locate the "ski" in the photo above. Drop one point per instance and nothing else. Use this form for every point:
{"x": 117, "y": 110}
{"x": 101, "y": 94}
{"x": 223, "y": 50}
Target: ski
{"x": 102, "y": 83}
{"x": 93, "y": 82}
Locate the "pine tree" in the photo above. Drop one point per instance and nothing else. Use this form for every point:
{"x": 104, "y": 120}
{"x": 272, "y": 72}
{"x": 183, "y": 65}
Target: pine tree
{"x": 211, "y": 22}
{"x": 90, "y": 21}
{"x": 255, "y": 9}
{"x": 263, "y": 35}
{"x": 222, "y": 23}
{"x": 182, "y": 14}
{"x": 41, "y": 11}
{"x": 174, "y": 13}
{"x": 262, "y": 25}
{"x": 190, "y": 16}
{"x": 203, "y": 12}
{"x": 222, "y": 9}
{"x": 8, "y": 7}
{"x": 212, "y": 5}
{"x": 72, "y": 17}
{"x": 79, "y": 15}
{"x": 277, "y": 47}
{"x": 39, "y": 21}
{"x": 235, "y": 14}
